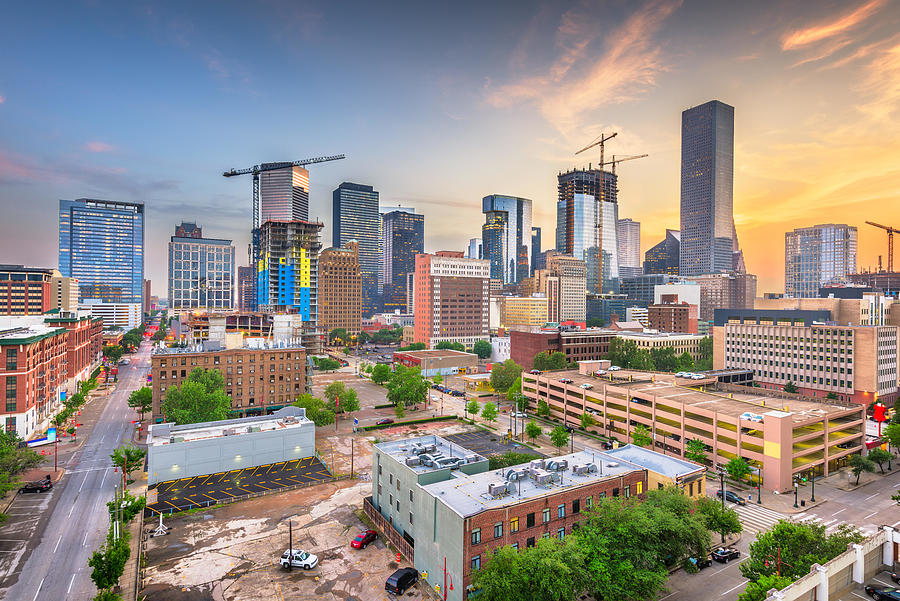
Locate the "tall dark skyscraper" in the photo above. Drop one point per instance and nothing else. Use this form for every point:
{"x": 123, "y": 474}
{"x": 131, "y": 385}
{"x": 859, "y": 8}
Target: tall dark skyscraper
{"x": 356, "y": 217}
{"x": 403, "y": 237}
{"x": 535, "y": 246}
{"x": 506, "y": 237}
{"x": 665, "y": 256}
{"x": 101, "y": 242}
{"x": 707, "y": 182}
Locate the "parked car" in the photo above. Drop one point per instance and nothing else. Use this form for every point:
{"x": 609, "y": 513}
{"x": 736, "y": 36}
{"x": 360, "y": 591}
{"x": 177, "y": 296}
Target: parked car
{"x": 587, "y": 386}
{"x": 614, "y": 368}
{"x": 600, "y": 372}
{"x": 535, "y": 372}
{"x": 458, "y": 393}
{"x": 401, "y": 580}
{"x": 565, "y": 380}
{"x": 363, "y": 539}
{"x": 38, "y": 485}
{"x": 299, "y": 559}
{"x": 519, "y": 414}
{"x": 606, "y": 445}
{"x": 725, "y": 554}
{"x": 680, "y": 374}
{"x": 700, "y": 562}
{"x": 886, "y": 593}
{"x": 731, "y": 497}
{"x": 385, "y": 420}
{"x": 697, "y": 377}
{"x": 895, "y": 576}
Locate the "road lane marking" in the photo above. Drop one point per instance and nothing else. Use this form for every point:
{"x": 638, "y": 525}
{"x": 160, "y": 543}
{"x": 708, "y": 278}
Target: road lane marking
{"x": 82, "y": 482}
{"x": 858, "y": 595}
{"x": 38, "y": 592}
{"x": 84, "y": 542}
{"x": 734, "y": 587}
{"x": 838, "y": 511}
{"x": 68, "y": 590}
{"x": 870, "y": 515}
{"x": 57, "y": 544}
{"x": 872, "y": 495}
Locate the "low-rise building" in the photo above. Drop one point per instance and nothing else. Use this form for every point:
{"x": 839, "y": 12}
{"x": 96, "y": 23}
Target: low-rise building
{"x": 673, "y": 316}
{"x": 680, "y": 343}
{"x": 114, "y": 315}
{"x": 175, "y": 452}
{"x": 84, "y": 344}
{"x": 517, "y": 312}
{"x": 25, "y": 290}
{"x": 665, "y": 470}
{"x": 259, "y": 379}
{"x": 577, "y": 345}
{"x": 434, "y": 362}
{"x": 500, "y": 348}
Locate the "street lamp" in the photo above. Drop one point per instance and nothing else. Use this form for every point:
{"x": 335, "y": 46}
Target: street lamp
{"x": 796, "y": 491}
{"x": 722, "y": 490}
{"x": 758, "y": 485}
{"x": 812, "y": 479}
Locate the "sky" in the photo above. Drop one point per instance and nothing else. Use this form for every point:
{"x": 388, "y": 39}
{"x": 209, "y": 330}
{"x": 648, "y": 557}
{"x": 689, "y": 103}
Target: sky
{"x": 440, "y": 104}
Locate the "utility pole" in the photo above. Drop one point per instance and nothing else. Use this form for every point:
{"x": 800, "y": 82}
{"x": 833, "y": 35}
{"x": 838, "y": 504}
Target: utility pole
{"x": 290, "y": 545}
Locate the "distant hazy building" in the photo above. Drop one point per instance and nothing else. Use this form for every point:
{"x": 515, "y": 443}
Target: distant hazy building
{"x": 641, "y": 288}
{"x": 246, "y": 289}
{"x": 201, "y": 270}
{"x": 725, "y": 291}
{"x": 564, "y": 283}
{"x": 474, "y": 250}
{"x": 25, "y": 290}
{"x": 506, "y": 235}
{"x": 402, "y": 238}
{"x": 628, "y": 233}
{"x": 101, "y": 243}
{"x": 340, "y": 286}
{"x": 817, "y": 255}
{"x": 535, "y": 246}
{"x": 356, "y": 217}
{"x": 664, "y": 257}
{"x": 707, "y": 178}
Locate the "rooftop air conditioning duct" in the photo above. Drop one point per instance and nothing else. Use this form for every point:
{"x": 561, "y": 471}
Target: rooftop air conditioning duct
{"x": 495, "y": 489}
{"x": 410, "y": 461}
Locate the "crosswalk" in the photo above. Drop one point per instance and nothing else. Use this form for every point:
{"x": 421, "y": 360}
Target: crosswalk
{"x": 832, "y": 523}
{"x": 758, "y": 518}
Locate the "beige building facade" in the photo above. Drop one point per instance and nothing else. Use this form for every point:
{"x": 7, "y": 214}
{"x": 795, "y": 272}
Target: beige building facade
{"x": 340, "y": 288}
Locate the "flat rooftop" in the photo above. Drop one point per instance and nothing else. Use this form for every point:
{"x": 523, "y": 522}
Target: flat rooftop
{"x": 213, "y": 346}
{"x": 436, "y": 354}
{"x": 682, "y": 390}
{"x": 468, "y": 495}
{"x": 12, "y": 333}
{"x": 286, "y": 418}
{"x": 400, "y": 450}
{"x": 667, "y": 465}
{"x": 657, "y": 335}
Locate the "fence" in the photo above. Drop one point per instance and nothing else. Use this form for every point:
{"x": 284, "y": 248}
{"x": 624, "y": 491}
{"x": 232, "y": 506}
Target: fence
{"x": 388, "y": 530}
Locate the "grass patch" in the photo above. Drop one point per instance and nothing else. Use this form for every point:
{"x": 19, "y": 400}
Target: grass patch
{"x": 408, "y": 422}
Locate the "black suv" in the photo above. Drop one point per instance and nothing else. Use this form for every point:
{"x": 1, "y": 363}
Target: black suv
{"x": 38, "y": 485}
{"x": 731, "y": 497}
{"x": 401, "y": 580}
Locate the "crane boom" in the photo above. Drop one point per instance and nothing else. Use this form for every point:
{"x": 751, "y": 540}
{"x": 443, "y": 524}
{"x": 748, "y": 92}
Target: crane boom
{"x": 615, "y": 161}
{"x": 890, "y": 232}
{"x": 256, "y": 169}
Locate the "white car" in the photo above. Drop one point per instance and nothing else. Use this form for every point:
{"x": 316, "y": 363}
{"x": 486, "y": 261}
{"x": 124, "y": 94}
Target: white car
{"x": 614, "y": 368}
{"x": 587, "y": 386}
{"x": 519, "y": 414}
{"x": 697, "y": 377}
{"x": 299, "y": 559}
{"x": 680, "y": 374}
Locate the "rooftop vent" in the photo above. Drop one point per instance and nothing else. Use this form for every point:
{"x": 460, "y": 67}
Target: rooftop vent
{"x": 612, "y": 464}
{"x": 411, "y": 461}
{"x": 496, "y": 489}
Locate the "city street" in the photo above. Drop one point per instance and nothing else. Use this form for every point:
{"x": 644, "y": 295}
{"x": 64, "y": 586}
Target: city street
{"x": 56, "y": 568}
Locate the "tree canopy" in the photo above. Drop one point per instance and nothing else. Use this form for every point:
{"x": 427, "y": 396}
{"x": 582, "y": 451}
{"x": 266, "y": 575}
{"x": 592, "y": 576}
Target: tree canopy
{"x": 504, "y": 374}
{"x": 549, "y": 571}
{"x": 489, "y": 412}
{"x": 128, "y": 458}
{"x": 316, "y": 410}
{"x": 545, "y": 362}
{"x": 695, "y": 450}
{"x": 641, "y": 437}
{"x": 737, "y": 468}
{"x": 559, "y": 436}
{"x": 407, "y": 387}
{"x": 483, "y": 349}
{"x": 341, "y": 399}
{"x": 200, "y": 398}
{"x": 381, "y": 373}
{"x": 860, "y": 464}
{"x": 449, "y": 345}
{"x": 141, "y": 400}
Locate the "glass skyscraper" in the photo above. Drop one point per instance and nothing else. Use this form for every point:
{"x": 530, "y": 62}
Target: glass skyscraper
{"x": 403, "y": 237}
{"x": 707, "y": 181}
{"x": 283, "y": 194}
{"x": 101, "y": 242}
{"x": 628, "y": 232}
{"x": 506, "y": 237}
{"x": 201, "y": 270}
{"x": 817, "y": 255}
{"x": 356, "y": 217}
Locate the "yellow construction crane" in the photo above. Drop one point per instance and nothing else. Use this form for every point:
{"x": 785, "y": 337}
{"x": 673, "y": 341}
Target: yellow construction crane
{"x": 614, "y": 160}
{"x": 890, "y": 232}
{"x": 601, "y": 142}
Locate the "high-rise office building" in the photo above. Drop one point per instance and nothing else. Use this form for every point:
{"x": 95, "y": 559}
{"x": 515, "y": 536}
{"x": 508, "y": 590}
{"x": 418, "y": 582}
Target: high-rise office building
{"x": 101, "y": 243}
{"x": 506, "y": 235}
{"x": 475, "y": 250}
{"x": 25, "y": 290}
{"x": 587, "y": 212}
{"x": 340, "y": 285}
{"x": 246, "y": 289}
{"x": 707, "y": 181}
{"x": 628, "y": 234}
{"x": 283, "y": 194}
{"x": 356, "y": 217}
{"x": 451, "y": 298}
{"x": 535, "y": 246}
{"x": 817, "y": 255}
{"x": 201, "y": 270}
{"x": 664, "y": 257}
{"x": 402, "y": 238}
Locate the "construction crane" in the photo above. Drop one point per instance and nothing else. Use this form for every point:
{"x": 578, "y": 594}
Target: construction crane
{"x": 615, "y": 161}
{"x": 890, "y": 231}
{"x": 601, "y": 142}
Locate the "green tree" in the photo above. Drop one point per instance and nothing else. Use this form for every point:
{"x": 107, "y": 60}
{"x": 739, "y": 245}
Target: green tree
{"x": 547, "y": 361}
{"x": 113, "y": 352}
{"x": 507, "y": 459}
{"x": 706, "y": 354}
{"x": 483, "y": 349}
{"x": 387, "y": 335}
{"x": 543, "y": 409}
{"x": 532, "y": 430}
{"x": 399, "y": 410}
{"x": 316, "y": 410}
{"x": 685, "y": 362}
{"x": 559, "y": 436}
{"x": 723, "y": 520}
{"x": 407, "y": 387}
{"x": 880, "y": 456}
{"x": 14, "y": 460}
{"x": 891, "y": 433}
{"x": 415, "y": 346}
{"x": 790, "y": 387}
{"x": 437, "y": 378}
{"x": 338, "y": 336}
{"x": 759, "y": 590}
{"x": 200, "y": 398}
{"x": 515, "y": 388}
{"x": 473, "y": 408}
{"x": 642, "y": 361}
{"x": 737, "y": 468}
{"x": 340, "y": 398}
{"x": 695, "y": 450}
{"x": 801, "y": 544}
{"x": 381, "y": 373}
{"x": 587, "y": 420}
{"x": 831, "y": 396}
{"x": 860, "y": 464}
{"x": 504, "y": 374}
{"x": 677, "y": 522}
{"x": 664, "y": 359}
{"x": 327, "y": 364}
{"x": 128, "y": 458}
{"x": 449, "y": 345}
{"x": 640, "y": 436}
{"x": 141, "y": 400}
{"x": 489, "y": 412}
{"x": 363, "y": 338}
{"x": 108, "y": 562}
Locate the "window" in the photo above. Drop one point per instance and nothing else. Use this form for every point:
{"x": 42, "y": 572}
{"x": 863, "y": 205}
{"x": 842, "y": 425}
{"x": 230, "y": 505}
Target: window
{"x": 476, "y": 562}
{"x": 398, "y": 504}
{"x": 498, "y": 529}
{"x": 379, "y": 490}
{"x": 561, "y": 533}
{"x": 576, "y": 506}
{"x": 10, "y": 394}
{"x": 529, "y": 520}
{"x": 476, "y": 536}
{"x": 410, "y": 518}
{"x": 545, "y": 535}
{"x": 616, "y": 491}
{"x": 515, "y": 546}
{"x": 561, "y": 510}
{"x": 390, "y": 478}
{"x": 514, "y": 525}
{"x": 12, "y": 356}
{"x": 627, "y": 491}
{"x": 529, "y": 542}
{"x": 410, "y": 495}
{"x": 638, "y": 488}
{"x": 546, "y": 516}
{"x": 589, "y": 502}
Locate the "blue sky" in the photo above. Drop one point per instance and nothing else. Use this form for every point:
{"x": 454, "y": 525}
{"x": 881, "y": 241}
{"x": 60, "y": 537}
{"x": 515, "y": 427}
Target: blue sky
{"x": 439, "y": 105}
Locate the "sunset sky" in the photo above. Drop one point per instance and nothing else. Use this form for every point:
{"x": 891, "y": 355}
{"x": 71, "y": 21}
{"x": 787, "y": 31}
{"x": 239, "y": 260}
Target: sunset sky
{"x": 437, "y": 105}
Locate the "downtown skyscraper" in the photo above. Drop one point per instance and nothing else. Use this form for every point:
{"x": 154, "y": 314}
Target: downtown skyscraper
{"x": 201, "y": 270}
{"x": 707, "y": 186}
{"x": 506, "y": 237}
{"x": 283, "y": 194}
{"x": 355, "y": 216}
{"x": 818, "y": 255}
{"x": 628, "y": 232}
{"x": 402, "y": 238}
{"x": 101, "y": 243}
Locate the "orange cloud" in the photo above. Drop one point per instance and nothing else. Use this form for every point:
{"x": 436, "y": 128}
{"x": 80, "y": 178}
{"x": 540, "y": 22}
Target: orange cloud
{"x": 882, "y": 84}
{"x": 97, "y": 146}
{"x": 809, "y": 35}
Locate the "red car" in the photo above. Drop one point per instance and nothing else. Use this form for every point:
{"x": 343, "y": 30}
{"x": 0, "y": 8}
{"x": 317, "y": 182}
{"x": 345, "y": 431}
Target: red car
{"x": 386, "y": 420}
{"x": 363, "y": 539}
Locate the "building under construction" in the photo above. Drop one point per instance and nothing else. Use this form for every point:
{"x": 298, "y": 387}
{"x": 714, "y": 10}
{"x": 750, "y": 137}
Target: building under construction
{"x": 887, "y": 282}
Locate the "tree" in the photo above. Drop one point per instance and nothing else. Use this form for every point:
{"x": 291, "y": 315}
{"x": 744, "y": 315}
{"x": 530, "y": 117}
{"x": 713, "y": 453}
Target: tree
{"x": 338, "y": 336}
{"x": 388, "y": 335}
{"x": 381, "y": 373}
{"x": 559, "y": 436}
{"x": 449, "y": 345}
{"x": 790, "y": 387}
{"x": 545, "y": 362}
{"x": 640, "y": 436}
{"x": 759, "y": 590}
{"x": 504, "y": 374}
{"x": 128, "y": 458}
{"x": 664, "y": 359}
{"x": 543, "y": 409}
{"x": 695, "y": 450}
{"x": 706, "y": 354}
{"x": 326, "y": 364}
{"x": 587, "y": 420}
{"x": 642, "y": 361}
{"x": 880, "y": 456}
{"x": 831, "y": 396}
{"x": 489, "y": 412}
{"x": 407, "y": 387}
{"x": 507, "y": 459}
{"x": 415, "y": 346}
{"x": 363, "y": 338}
{"x": 113, "y": 352}
{"x": 891, "y": 433}
{"x": 801, "y": 544}
{"x": 108, "y": 562}
{"x": 200, "y": 398}
{"x": 723, "y": 520}
{"x": 860, "y": 464}
{"x": 340, "y": 398}
{"x": 483, "y": 349}
{"x": 141, "y": 400}
{"x": 737, "y": 468}
{"x": 316, "y": 411}
{"x": 14, "y": 460}
{"x": 437, "y": 378}
{"x": 685, "y": 362}
{"x": 532, "y": 430}
{"x": 473, "y": 408}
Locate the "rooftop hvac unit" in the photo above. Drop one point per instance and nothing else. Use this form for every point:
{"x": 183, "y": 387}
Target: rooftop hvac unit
{"x": 536, "y": 464}
{"x": 612, "y": 464}
{"x": 592, "y": 468}
{"x": 229, "y": 432}
{"x": 580, "y": 469}
{"x": 430, "y": 448}
{"x": 412, "y": 461}
{"x": 472, "y": 458}
{"x": 557, "y": 464}
{"x": 495, "y": 489}
{"x": 540, "y": 476}
{"x": 514, "y": 474}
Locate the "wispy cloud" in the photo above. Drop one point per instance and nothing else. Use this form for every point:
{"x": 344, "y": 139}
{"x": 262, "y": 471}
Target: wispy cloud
{"x": 882, "y": 84}
{"x": 834, "y": 27}
{"x": 581, "y": 78}
{"x": 98, "y": 146}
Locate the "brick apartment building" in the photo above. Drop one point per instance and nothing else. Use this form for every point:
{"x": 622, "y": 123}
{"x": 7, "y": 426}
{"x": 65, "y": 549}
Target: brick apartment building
{"x": 84, "y": 344}
{"x": 451, "y": 298}
{"x": 579, "y": 345}
{"x": 258, "y": 380}
{"x": 340, "y": 289}
{"x": 673, "y": 316}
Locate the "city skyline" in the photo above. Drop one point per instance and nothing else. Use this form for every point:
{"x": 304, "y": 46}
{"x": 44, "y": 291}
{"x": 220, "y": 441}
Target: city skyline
{"x": 521, "y": 102}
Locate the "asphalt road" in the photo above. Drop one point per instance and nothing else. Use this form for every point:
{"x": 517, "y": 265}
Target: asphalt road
{"x": 57, "y": 567}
